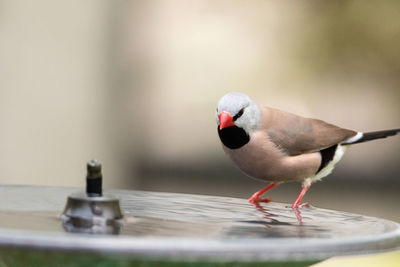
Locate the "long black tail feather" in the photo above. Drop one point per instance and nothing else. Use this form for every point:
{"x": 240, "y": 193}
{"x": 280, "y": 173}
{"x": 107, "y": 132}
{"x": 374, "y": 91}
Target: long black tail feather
{"x": 374, "y": 135}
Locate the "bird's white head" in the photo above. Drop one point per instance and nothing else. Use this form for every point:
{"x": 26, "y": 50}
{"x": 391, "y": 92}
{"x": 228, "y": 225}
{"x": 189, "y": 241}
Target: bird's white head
{"x": 237, "y": 109}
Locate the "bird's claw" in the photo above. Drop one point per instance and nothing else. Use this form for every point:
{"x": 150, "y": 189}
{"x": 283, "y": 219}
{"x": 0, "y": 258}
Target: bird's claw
{"x": 304, "y": 205}
{"x": 254, "y": 200}
{"x": 266, "y": 200}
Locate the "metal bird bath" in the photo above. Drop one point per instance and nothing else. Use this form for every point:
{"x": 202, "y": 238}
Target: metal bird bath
{"x": 169, "y": 227}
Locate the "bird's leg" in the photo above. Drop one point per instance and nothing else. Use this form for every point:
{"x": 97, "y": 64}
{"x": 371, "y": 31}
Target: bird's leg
{"x": 305, "y": 187}
{"x": 255, "y": 198}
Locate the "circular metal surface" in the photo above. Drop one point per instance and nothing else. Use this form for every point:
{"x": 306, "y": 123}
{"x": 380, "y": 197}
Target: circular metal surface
{"x": 169, "y": 225}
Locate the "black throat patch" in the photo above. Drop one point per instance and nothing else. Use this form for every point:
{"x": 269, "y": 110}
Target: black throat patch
{"x": 327, "y": 155}
{"x": 233, "y": 137}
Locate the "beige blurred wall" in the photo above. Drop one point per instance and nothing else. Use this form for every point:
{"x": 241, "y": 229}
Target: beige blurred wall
{"x": 54, "y": 84}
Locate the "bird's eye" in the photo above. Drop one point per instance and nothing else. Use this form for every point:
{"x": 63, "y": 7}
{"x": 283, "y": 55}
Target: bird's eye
{"x": 238, "y": 115}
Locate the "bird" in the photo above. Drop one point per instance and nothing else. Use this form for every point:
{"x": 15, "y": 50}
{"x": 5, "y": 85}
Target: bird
{"x": 277, "y": 146}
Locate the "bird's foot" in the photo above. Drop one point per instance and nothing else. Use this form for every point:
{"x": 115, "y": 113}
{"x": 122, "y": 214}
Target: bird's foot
{"x": 257, "y": 199}
{"x": 265, "y": 199}
{"x": 304, "y": 205}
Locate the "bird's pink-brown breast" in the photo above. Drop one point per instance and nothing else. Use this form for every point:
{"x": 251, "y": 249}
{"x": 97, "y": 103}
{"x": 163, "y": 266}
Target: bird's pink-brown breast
{"x": 261, "y": 159}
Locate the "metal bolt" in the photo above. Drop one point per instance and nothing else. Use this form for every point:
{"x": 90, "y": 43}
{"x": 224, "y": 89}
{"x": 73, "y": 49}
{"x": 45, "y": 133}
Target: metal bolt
{"x": 94, "y": 179}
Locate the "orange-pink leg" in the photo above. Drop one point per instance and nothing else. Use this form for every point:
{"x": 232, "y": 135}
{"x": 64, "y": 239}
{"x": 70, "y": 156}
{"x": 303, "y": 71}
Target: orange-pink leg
{"x": 255, "y": 198}
{"x": 301, "y": 195}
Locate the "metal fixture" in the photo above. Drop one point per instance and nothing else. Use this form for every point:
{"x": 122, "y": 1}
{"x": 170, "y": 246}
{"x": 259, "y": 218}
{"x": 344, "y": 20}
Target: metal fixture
{"x": 92, "y": 212}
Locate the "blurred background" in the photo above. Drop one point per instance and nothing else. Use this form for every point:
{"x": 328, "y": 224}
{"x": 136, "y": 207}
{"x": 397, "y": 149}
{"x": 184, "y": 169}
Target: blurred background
{"x": 135, "y": 85}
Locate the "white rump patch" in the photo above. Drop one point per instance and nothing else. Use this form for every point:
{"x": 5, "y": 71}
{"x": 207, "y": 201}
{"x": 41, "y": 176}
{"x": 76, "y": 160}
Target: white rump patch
{"x": 353, "y": 139}
{"x": 331, "y": 165}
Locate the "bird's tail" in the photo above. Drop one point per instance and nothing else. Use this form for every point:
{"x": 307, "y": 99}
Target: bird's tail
{"x": 364, "y": 137}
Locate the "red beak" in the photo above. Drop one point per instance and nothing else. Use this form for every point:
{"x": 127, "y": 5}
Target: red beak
{"x": 225, "y": 120}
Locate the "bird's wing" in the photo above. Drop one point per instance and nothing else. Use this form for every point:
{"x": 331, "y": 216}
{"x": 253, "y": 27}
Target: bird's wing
{"x": 296, "y": 135}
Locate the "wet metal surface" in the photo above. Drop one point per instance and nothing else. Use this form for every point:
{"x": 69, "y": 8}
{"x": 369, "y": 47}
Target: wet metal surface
{"x": 194, "y": 226}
